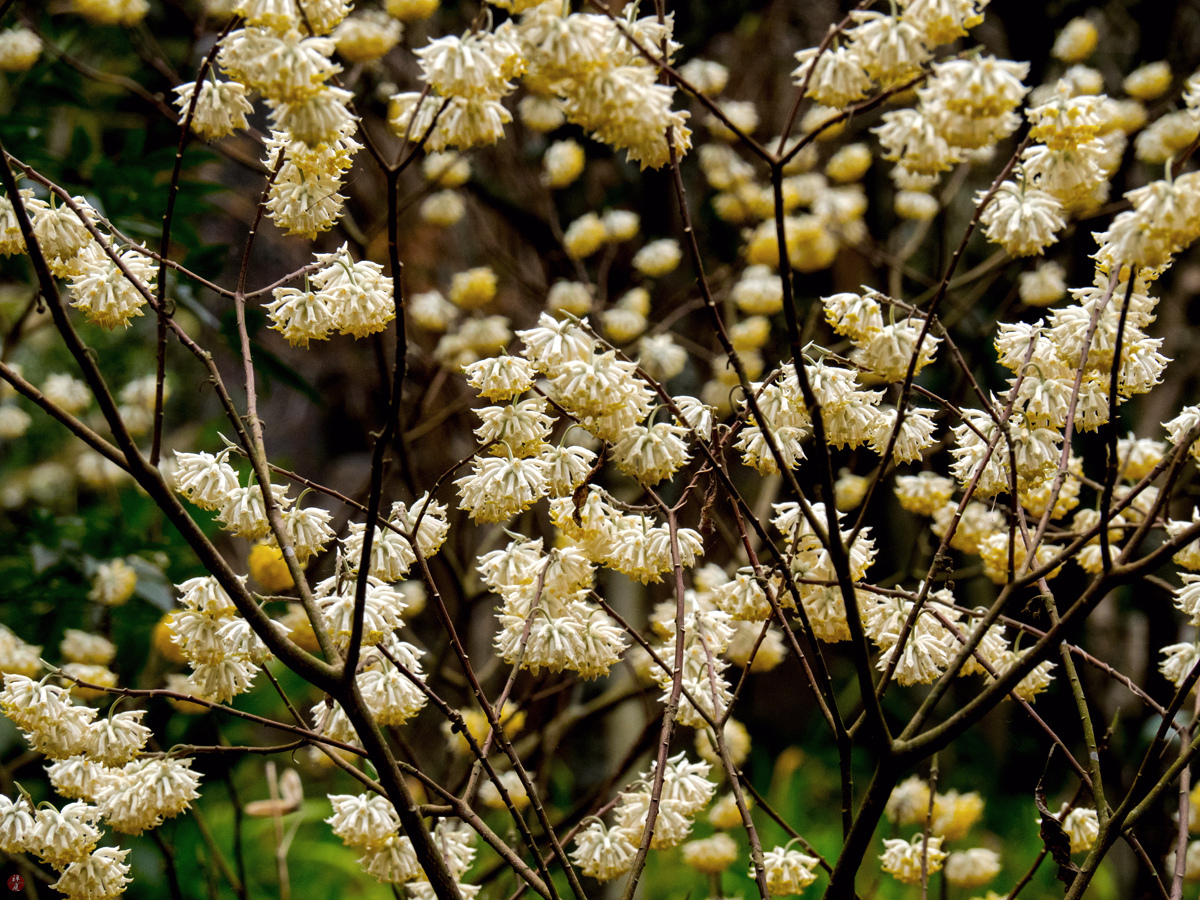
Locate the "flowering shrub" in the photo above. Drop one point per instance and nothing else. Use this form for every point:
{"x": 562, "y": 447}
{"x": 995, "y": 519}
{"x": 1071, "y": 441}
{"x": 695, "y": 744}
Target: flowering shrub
{"x": 578, "y": 459}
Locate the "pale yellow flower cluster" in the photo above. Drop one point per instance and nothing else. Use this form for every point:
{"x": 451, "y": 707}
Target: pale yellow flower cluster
{"x": 98, "y": 763}
{"x": 606, "y": 852}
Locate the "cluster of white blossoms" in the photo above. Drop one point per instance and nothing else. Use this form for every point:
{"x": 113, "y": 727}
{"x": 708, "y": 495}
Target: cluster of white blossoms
{"x": 546, "y": 619}
{"x": 883, "y": 352}
{"x": 953, "y": 816}
{"x": 964, "y": 105}
{"x": 466, "y": 79}
{"x": 223, "y": 650}
{"x": 933, "y": 640}
{"x": 368, "y": 823}
{"x": 579, "y": 67}
{"x": 285, "y": 57}
{"x": 928, "y": 648}
{"x": 110, "y": 285}
{"x": 707, "y": 634}
{"x": 787, "y": 871}
{"x": 723, "y": 619}
{"x": 604, "y": 852}
{"x": 343, "y": 295}
{"x": 906, "y": 860}
{"x": 589, "y": 69}
{"x": 1077, "y": 142}
{"x": 602, "y": 393}
{"x": 86, "y": 657}
{"x": 851, "y": 415}
{"x": 390, "y": 668}
{"x": 303, "y": 198}
{"x": 211, "y": 483}
{"x": 220, "y": 645}
{"x": 19, "y": 49}
{"x": 19, "y": 658}
{"x": 1058, "y": 372}
{"x": 97, "y": 762}
{"x": 810, "y": 561}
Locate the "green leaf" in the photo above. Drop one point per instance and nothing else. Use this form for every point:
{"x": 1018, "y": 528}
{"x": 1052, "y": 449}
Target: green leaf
{"x": 152, "y": 585}
{"x": 43, "y": 558}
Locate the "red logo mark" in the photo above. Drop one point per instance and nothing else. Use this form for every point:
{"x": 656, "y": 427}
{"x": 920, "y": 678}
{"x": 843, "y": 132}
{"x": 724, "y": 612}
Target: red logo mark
{"x": 16, "y": 883}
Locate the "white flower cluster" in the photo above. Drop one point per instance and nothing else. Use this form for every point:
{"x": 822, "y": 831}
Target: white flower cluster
{"x": 225, "y": 652}
{"x": 96, "y": 764}
{"x": 19, "y": 49}
{"x": 929, "y": 646}
{"x": 277, "y": 57}
{"x": 884, "y": 352}
{"x": 220, "y": 109}
{"x": 368, "y": 823}
{"x": 787, "y": 871}
{"x": 604, "y": 853}
{"x": 304, "y": 196}
{"x": 1178, "y": 661}
{"x": 16, "y": 656}
{"x": 906, "y": 860}
{"x": 390, "y": 692}
{"x": 1079, "y": 137}
{"x": 851, "y": 415}
{"x": 629, "y": 543}
{"x": 1082, "y": 826}
{"x": 604, "y": 395}
{"x": 740, "y": 604}
{"x": 210, "y": 482}
{"x": 348, "y": 297}
{"x": 311, "y": 147}
{"x": 966, "y": 105}
{"x": 949, "y": 817}
{"x": 467, "y": 78}
{"x": 56, "y": 727}
{"x": 98, "y": 283}
{"x": 582, "y": 67}
{"x": 103, "y": 291}
{"x": 891, "y": 48}
{"x": 87, "y": 657}
{"x": 707, "y": 633}
{"x": 603, "y": 82}
{"x": 546, "y": 619}
{"x": 810, "y": 560}
{"x": 219, "y": 645}
{"x": 1047, "y": 358}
